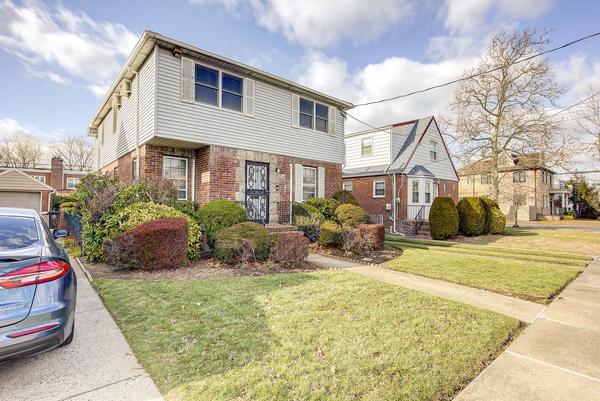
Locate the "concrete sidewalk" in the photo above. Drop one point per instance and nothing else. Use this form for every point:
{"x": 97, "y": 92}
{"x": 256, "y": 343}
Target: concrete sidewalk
{"x": 523, "y": 310}
{"x": 98, "y": 365}
{"x": 557, "y": 357}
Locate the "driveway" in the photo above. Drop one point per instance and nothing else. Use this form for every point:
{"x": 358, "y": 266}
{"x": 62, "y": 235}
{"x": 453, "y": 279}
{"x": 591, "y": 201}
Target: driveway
{"x": 98, "y": 365}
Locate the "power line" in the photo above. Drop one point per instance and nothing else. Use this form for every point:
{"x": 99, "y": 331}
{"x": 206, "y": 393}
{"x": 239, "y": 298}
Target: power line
{"x": 360, "y": 121}
{"x": 478, "y": 74}
{"x": 574, "y": 105}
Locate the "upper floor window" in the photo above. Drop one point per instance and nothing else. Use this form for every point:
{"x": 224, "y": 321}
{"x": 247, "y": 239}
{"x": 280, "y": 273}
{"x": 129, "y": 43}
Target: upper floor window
{"x": 72, "y": 182}
{"x": 485, "y": 179}
{"x": 40, "y": 178}
{"x": 503, "y": 160}
{"x": 347, "y": 186}
{"x": 520, "y": 176}
{"x": 218, "y": 89}
{"x": 314, "y": 115}
{"x": 433, "y": 150}
{"x": 309, "y": 182}
{"x": 378, "y": 189}
{"x": 366, "y": 146}
{"x": 176, "y": 170}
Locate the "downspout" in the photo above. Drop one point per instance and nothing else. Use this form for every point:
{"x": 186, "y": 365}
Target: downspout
{"x": 393, "y": 229}
{"x": 291, "y": 196}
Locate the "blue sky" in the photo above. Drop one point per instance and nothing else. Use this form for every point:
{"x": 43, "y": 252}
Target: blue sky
{"x": 57, "y": 57}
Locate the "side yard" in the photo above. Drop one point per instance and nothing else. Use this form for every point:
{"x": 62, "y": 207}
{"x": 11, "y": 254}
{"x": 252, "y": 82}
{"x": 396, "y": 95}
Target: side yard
{"x": 303, "y": 336}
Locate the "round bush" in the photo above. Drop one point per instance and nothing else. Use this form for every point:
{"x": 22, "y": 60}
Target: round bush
{"x": 290, "y": 247}
{"x": 443, "y": 218}
{"x": 568, "y": 217}
{"x": 471, "y": 214}
{"x": 326, "y": 206}
{"x": 497, "y": 221}
{"x": 142, "y": 212}
{"x": 309, "y": 226}
{"x": 331, "y": 234}
{"x": 220, "y": 214}
{"x": 232, "y": 243}
{"x": 303, "y": 209}
{"x": 344, "y": 196}
{"x": 351, "y": 215}
{"x": 488, "y": 204}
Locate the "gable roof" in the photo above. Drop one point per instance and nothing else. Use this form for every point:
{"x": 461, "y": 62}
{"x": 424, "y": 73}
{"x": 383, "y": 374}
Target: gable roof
{"x": 16, "y": 180}
{"x": 420, "y": 170}
{"x": 414, "y": 130}
{"x": 527, "y": 161}
{"x": 149, "y": 39}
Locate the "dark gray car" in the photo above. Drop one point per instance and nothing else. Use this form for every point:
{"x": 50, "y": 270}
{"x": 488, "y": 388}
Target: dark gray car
{"x": 38, "y": 288}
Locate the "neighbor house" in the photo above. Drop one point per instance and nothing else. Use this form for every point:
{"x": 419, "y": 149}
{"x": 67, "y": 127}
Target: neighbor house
{"x": 31, "y": 187}
{"x": 219, "y": 129}
{"x": 526, "y": 186}
{"x": 395, "y": 172}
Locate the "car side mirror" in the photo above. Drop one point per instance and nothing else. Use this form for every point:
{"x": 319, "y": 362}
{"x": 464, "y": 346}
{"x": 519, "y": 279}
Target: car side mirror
{"x": 60, "y": 233}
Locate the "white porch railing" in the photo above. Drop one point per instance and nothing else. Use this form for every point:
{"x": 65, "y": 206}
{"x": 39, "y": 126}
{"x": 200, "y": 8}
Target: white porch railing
{"x": 418, "y": 212}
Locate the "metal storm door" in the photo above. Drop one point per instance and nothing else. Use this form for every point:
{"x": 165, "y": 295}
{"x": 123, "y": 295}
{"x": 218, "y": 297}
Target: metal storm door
{"x": 257, "y": 192}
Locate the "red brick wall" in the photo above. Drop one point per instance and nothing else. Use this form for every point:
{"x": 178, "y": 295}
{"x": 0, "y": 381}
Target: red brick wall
{"x": 45, "y": 201}
{"x": 56, "y": 172}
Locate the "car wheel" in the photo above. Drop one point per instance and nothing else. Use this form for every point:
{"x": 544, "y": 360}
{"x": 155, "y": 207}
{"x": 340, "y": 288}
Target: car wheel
{"x": 69, "y": 339}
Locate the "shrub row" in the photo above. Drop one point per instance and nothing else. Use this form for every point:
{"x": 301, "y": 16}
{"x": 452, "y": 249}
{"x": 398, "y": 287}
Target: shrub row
{"x": 471, "y": 216}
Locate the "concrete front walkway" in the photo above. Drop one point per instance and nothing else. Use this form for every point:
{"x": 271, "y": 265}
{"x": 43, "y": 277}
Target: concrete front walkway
{"x": 98, "y": 365}
{"x": 556, "y": 358}
{"x": 523, "y": 310}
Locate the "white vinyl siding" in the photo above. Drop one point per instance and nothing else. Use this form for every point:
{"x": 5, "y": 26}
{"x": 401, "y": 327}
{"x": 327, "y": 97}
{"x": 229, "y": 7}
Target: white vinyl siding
{"x": 380, "y": 146}
{"x": 269, "y": 131}
{"x": 366, "y": 146}
{"x": 433, "y": 151}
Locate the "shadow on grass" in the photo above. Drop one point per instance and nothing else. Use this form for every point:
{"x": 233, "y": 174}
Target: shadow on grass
{"x": 183, "y": 329}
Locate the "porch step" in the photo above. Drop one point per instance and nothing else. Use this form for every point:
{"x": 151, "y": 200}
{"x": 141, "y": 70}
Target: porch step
{"x": 280, "y": 228}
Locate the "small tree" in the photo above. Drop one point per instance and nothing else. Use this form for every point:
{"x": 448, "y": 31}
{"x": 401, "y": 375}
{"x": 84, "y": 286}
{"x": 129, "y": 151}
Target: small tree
{"x": 75, "y": 151}
{"x": 584, "y": 197}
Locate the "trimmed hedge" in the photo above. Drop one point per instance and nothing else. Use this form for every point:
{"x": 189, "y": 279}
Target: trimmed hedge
{"x": 289, "y": 247}
{"x": 443, "y": 218}
{"x": 304, "y": 209}
{"x": 242, "y": 242}
{"x": 158, "y": 244}
{"x": 497, "y": 221}
{"x": 343, "y": 196}
{"x": 331, "y": 234}
{"x": 568, "y": 217}
{"x": 351, "y": 215}
{"x": 471, "y": 214}
{"x": 220, "y": 214}
{"x": 373, "y": 236}
{"x": 308, "y": 226}
{"x": 143, "y": 212}
{"x": 488, "y": 204}
{"x": 326, "y": 206}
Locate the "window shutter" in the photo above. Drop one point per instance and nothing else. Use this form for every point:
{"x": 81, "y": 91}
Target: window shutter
{"x": 298, "y": 180}
{"x": 295, "y": 110}
{"x": 321, "y": 182}
{"x": 332, "y": 115}
{"x": 249, "y": 97}
{"x": 188, "y": 79}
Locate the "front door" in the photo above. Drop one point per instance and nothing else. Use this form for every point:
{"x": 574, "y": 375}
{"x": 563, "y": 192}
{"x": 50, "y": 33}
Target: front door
{"x": 257, "y": 192}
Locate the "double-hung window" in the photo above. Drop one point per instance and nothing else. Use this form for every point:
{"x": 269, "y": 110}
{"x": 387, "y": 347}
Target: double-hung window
{"x": 378, "y": 189}
{"x": 40, "y": 178}
{"x": 313, "y": 115}
{"x": 72, "y": 182}
{"x": 347, "y": 186}
{"x": 433, "y": 151}
{"x": 176, "y": 170}
{"x": 427, "y": 192}
{"x": 207, "y": 85}
{"x": 366, "y": 146}
{"x": 520, "y": 176}
{"x": 232, "y": 92}
{"x": 309, "y": 182}
{"x": 415, "y": 191}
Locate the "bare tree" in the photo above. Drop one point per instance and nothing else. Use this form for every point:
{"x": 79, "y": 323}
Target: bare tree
{"x": 21, "y": 151}
{"x": 76, "y": 152}
{"x": 501, "y": 106}
{"x": 588, "y": 120}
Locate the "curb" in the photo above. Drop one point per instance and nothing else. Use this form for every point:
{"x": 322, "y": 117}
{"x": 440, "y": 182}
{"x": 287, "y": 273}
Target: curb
{"x": 87, "y": 274}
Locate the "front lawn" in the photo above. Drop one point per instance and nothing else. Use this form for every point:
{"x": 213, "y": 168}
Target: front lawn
{"x": 501, "y": 273}
{"x": 327, "y": 335}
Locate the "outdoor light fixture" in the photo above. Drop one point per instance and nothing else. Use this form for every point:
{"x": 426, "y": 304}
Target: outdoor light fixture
{"x": 177, "y": 51}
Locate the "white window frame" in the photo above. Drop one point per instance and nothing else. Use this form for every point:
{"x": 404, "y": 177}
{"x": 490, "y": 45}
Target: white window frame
{"x": 136, "y": 175}
{"x": 314, "y": 115}
{"x": 520, "y": 172}
{"x": 436, "y": 191}
{"x": 346, "y": 185}
{"x": 305, "y": 184}
{"x": 186, "y": 173}
{"x": 433, "y": 153}
{"x": 362, "y": 146}
{"x": 220, "y": 73}
{"x": 72, "y": 182}
{"x": 375, "y": 188}
{"x": 40, "y": 178}
{"x": 422, "y": 188}
{"x": 428, "y": 185}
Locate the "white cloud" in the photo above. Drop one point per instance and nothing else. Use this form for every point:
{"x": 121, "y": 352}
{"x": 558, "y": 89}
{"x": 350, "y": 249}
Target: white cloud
{"x": 320, "y": 24}
{"x": 89, "y": 50}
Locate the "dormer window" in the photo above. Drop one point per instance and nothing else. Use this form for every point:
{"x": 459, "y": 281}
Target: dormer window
{"x": 503, "y": 160}
{"x": 433, "y": 151}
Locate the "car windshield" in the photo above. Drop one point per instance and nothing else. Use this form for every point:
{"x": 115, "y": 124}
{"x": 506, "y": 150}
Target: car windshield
{"x": 17, "y": 232}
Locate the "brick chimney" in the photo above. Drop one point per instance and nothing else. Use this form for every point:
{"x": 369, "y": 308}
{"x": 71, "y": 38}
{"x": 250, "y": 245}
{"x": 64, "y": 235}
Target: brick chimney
{"x": 56, "y": 173}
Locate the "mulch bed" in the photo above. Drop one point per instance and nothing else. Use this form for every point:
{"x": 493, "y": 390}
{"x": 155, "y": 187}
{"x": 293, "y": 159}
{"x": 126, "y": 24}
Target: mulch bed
{"x": 202, "y": 270}
{"x": 374, "y": 258}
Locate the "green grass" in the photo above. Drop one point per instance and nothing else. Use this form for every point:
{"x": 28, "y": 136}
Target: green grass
{"x": 531, "y": 281}
{"x": 328, "y": 335}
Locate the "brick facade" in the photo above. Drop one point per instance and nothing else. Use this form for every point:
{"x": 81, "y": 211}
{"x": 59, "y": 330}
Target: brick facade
{"x": 362, "y": 189}
{"x": 217, "y": 172}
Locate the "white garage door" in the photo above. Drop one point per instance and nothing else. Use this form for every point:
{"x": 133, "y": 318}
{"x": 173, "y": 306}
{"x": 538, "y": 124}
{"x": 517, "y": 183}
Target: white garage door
{"x": 27, "y": 200}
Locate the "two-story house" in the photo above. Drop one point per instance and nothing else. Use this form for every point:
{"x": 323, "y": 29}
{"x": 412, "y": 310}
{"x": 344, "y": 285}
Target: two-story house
{"x": 395, "y": 172}
{"x": 525, "y": 186}
{"x": 219, "y": 129}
